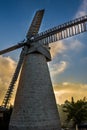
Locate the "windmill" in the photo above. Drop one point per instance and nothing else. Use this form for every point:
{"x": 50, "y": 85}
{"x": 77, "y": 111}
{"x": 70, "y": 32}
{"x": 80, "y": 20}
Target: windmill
{"x": 35, "y": 107}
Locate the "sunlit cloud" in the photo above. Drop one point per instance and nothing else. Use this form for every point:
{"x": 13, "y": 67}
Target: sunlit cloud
{"x": 57, "y": 48}
{"x": 65, "y": 83}
{"x": 66, "y": 90}
{"x": 82, "y": 9}
{"x": 7, "y": 67}
{"x": 62, "y": 47}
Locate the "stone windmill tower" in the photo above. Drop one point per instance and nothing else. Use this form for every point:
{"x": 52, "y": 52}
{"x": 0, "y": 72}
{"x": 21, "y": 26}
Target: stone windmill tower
{"x": 35, "y": 107}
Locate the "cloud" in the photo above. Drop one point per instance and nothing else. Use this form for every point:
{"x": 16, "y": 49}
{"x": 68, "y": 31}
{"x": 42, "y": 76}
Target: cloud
{"x": 60, "y": 47}
{"x": 61, "y": 50}
{"x": 63, "y": 47}
{"x": 57, "y": 48}
{"x": 66, "y": 90}
{"x": 82, "y": 9}
{"x": 75, "y": 45}
{"x": 7, "y": 67}
{"x": 58, "y": 68}
{"x": 65, "y": 83}
{"x": 61, "y": 53}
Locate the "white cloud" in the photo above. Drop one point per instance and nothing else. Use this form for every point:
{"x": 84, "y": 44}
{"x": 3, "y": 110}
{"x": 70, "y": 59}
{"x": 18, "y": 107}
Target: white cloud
{"x": 62, "y": 66}
{"x": 82, "y": 9}
{"x": 58, "y": 68}
{"x": 75, "y": 45}
{"x": 62, "y": 48}
{"x": 57, "y": 47}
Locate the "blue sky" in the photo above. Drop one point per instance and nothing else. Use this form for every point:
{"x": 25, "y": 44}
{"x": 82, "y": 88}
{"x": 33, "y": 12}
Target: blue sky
{"x": 16, "y": 16}
{"x": 68, "y": 66}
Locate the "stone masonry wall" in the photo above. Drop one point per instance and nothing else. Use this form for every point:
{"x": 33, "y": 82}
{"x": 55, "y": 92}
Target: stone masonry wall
{"x": 35, "y": 106}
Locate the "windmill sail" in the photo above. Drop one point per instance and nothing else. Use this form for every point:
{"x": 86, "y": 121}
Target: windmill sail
{"x": 34, "y": 28}
{"x": 35, "y": 25}
{"x": 63, "y": 31}
{"x": 19, "y": 45}
{"x": 57, "y": 33}
{"x": 7, "y": 98}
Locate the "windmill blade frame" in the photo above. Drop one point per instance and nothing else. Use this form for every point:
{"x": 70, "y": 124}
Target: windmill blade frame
{"x": 35, "y": 25}
{"x": 34, "y": 28}
{"x": 6, "y": 100}
{"x": 63, "y": 31}
{"x": 19, "y": 45}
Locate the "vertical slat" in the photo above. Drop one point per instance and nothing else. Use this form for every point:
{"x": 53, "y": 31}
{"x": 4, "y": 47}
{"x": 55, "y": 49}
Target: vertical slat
{"x": 78, "y": 29}
{"x": 84, "y": 24}
{"x": 62, "y": 34}
{"x": 81, "y": 27}
{"x": 69, "y": 31}
{"x": 65, "y": 33}
{"x": 74, "y": 30}
{"x": 57, "y": 36}
{"x": 49, "y": 39}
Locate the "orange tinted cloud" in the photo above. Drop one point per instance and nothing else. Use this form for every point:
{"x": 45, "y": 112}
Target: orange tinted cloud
{"x": 7, "y": 68}
{"x": 65, "y": 91}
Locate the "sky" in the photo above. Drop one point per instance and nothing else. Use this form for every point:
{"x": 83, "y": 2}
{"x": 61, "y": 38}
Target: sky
{"x": 69, "y": 57}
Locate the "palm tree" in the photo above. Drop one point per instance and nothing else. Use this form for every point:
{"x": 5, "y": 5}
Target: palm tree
{"x": 76, "y": 111}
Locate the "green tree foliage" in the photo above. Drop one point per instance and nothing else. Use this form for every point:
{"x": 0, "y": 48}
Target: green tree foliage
{"x": 76, "y": 111}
